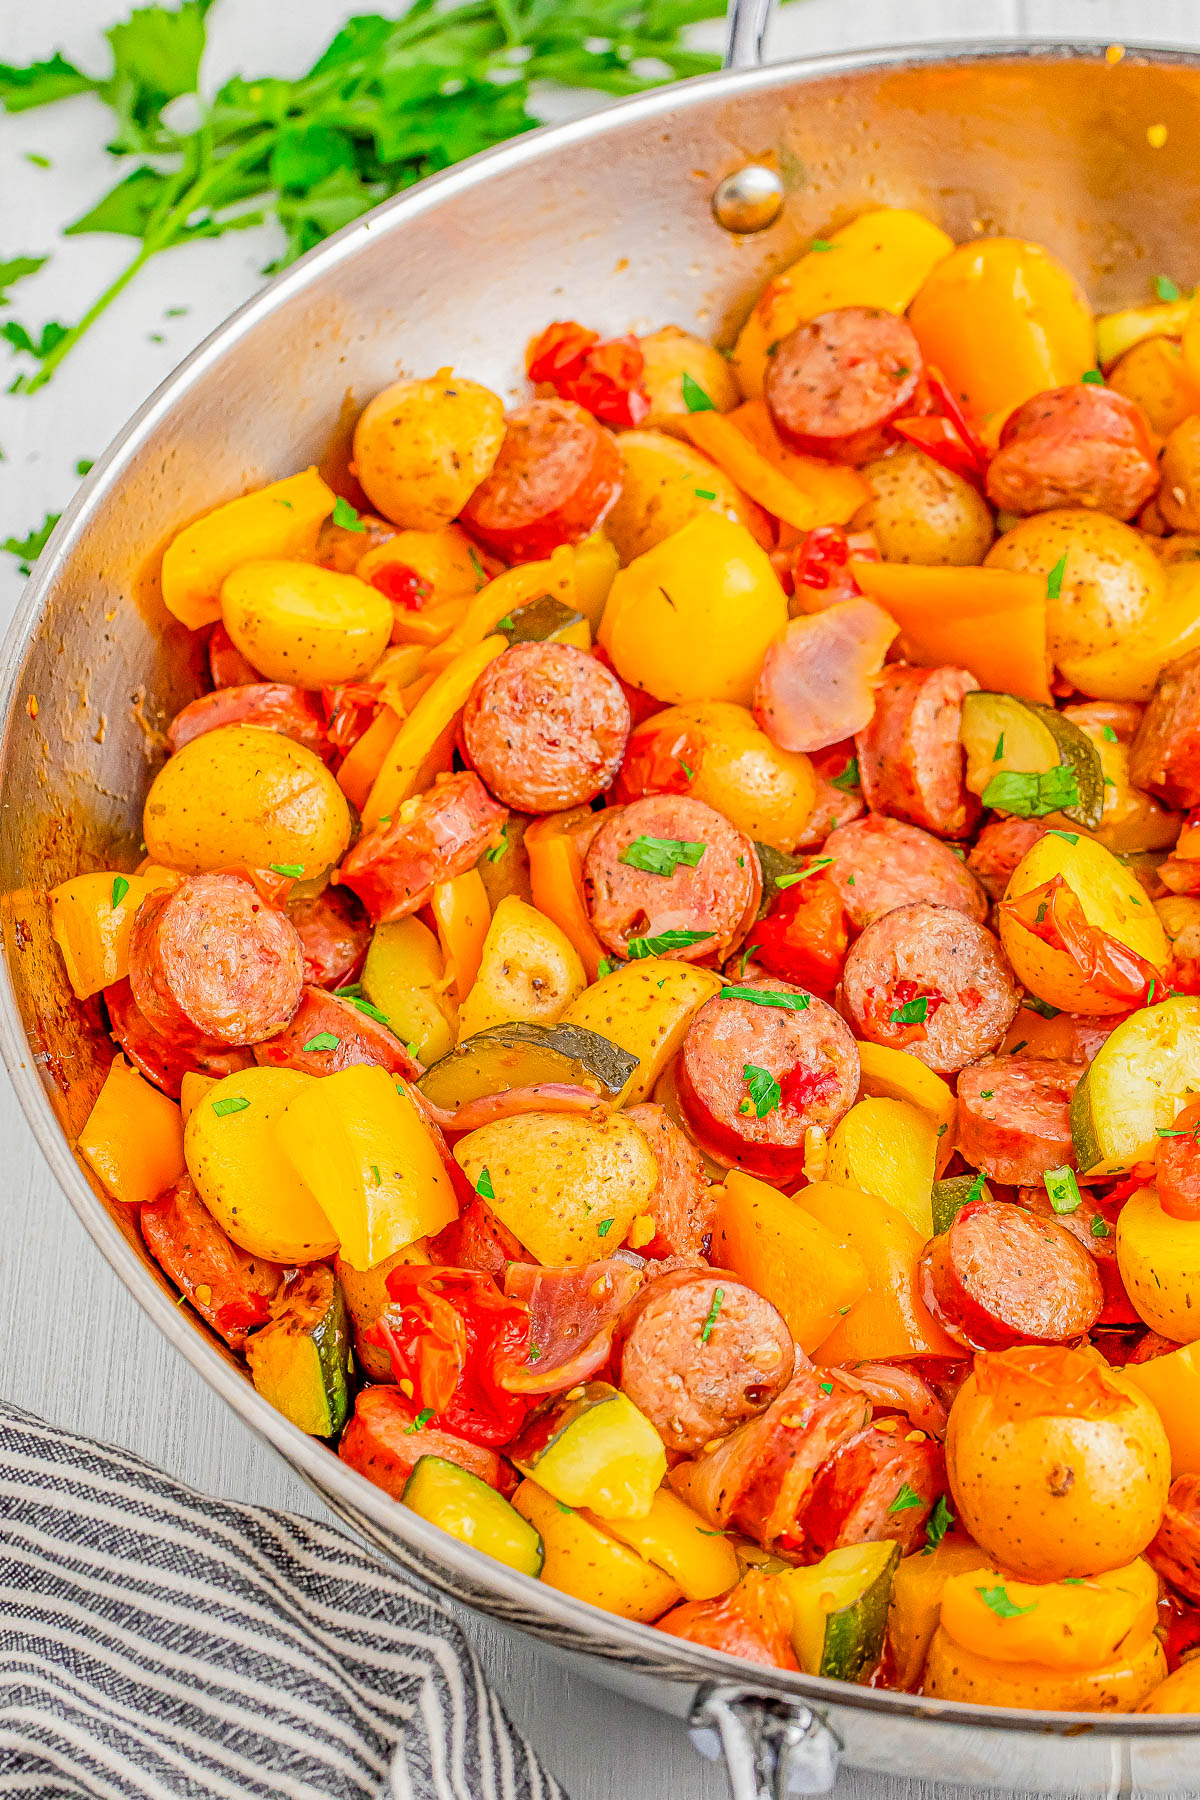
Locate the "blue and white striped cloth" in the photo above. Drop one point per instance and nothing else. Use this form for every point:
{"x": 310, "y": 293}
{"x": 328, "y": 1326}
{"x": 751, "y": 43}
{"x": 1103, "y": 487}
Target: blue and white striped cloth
{"x": 157, "y": 1644}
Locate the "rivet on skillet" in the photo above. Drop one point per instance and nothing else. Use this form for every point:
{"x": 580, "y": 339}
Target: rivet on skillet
{"x": 748, "y": 200}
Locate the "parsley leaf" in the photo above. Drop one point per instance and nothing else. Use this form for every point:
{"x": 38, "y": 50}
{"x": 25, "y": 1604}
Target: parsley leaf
{"x": 998, "y": 1600}
{"x": 1054, "y": 579}
{"x": 120, "y": 888}
{"x": 15, "y": 269}
{"x": 1032, "y": 796}
{"x": 346, "y": 515}
{"x": 694, "y": 396}
{"x": 483, "y": 1187}
{"x": 714, "y": 1309}
{"x": 913, "y": 1012}
{"x": 29, "y": 548}
{"x": 938, "y": 1523}
{"x": 324, "y": 1040}
{"x": 232, "y": 1103}
{"x": 419, "y": 1423}
{"x": 675, "y": 939}
{"x": 1093, "y": 377}
{"x": 293, "y": 871}
{"x": 848, "y": 778}
{"x": 661, "y": 856}
{"x": 787, "y": 881}
{"x": 1165, "y": 288}
{"x": 905, "y": 1499}
{"x": 1062, "y": 1190}
{"x": 765, "y": 1092}
{"x": 766, "y": 997}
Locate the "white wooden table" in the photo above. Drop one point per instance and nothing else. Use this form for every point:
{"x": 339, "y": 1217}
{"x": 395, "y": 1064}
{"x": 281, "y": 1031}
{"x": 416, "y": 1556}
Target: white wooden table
{"x": 73, "y": 1346}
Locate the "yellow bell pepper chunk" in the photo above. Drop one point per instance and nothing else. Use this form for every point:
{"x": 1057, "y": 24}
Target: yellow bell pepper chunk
{"x": 281, "y": 520}
{"x": 952, "y": 1673}
{"x": 1074, "y": 1624}
{"x": 133, "y": 1137}
{"x": 1117, "y": 332}
{"x": 889, "y": 1074}
{"x": 584, "y": 1561}
{"x": 888, "y": 1147}
{"x": 362, "y": 1146}
{"x": 891, "y": 1319}
{"x": 192, "y": 1090}
{"x": 425, "y": 741}
{"x": 596, "y": 565}
{"x": 677, "y": 1540}
{"x": 788, "y": 1256}
{"x": 463, "y": 913}
{"x": 516, "y": 587}
{"x": 917, "y": 1602}
{"x": 1172, "y": 1383}
{"x": 91, "y": 917}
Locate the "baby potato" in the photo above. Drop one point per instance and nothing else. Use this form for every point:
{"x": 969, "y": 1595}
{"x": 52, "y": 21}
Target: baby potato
{"x": 1159, "y": 1260}
{"x": 244, "y": 795}
{"x": 1118, "y": 1686}
{"x": 421, "y": 448}
{"x": 529, "y": 970}
{"x": 1179, "y": 494}
{"x": 1153, "y": 375}
{"x": 1058, "y": 1465}
{"x": 1168, "y": 632}
{"x": 305, "y": 625}
{"x": 1110, "y": 588}
{"x": 283, "y": 519}
{"x": 670, "y": 354}
{"x": 446, "y": 560}
{"x": 1179, "y": 1693}
{"x": 665, "y": 484}
{"x": 248, "y": 1186}
{"x": 567, "y": 1185}
{"x": 923, "y": 513}
{"x": 767, "y": 792}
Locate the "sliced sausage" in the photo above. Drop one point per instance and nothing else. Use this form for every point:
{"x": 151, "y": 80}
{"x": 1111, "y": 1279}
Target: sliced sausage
{"x": 1094, "y": 1225}
{"x": 226, "y": 664}
{"x": 386, "y": 1439}
{"x": 881, "y": 863}
{"x": 999, "y": 848}
{"x": 699, "y": 1353}
{"x": 910, "y": 760}
{"x": 682, "y": 1205}
{"x": 1014, "y": 1116}
{"x": 211, "y": 960}
{"x": 1001, "y": 1277}
{"x": 556, "y": 476}
{"x": 749, "y": 1621}
{"x": 545, "y": 725}
{"x": 1082, "y": 445}
{"x": 1164, "y": 758}
{"x": 227, "y": 1286}
{"x": 330, "y": 1032}
{"x": 395, "y": 867}
{"x": 335, "y": 933}
{"x": 163, "y": 1060}
{"x": 932, "y": 981}
{"x": 736, "y": 1048}
{"x": 713, "y": 890}
{"x": 476, "y": 1240}
{"x": 273, "y": 705}
{"x": 832, "y": 805}
{"x": 835, "y": 383}
{"x": 882, "y": 1485}
{"x": 1175, "y": 1551}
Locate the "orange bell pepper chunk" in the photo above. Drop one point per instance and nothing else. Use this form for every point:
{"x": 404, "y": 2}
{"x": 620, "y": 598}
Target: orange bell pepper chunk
{"x": 802, "y": 490}
{"x": 556, "y": 882}
{"x": 463, "y": 913}
{"x": 363, "y": 761}
{"x": 990, "y": 621}
{"x": 133, "y": 1137}
{"x": 891, "y": 1319}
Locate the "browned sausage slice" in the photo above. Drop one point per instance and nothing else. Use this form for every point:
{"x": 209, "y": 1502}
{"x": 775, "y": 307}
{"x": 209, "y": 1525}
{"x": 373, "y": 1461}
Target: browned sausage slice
{"x": 395, "y": 867}
{"x": 163, "y": 1060}
{"x": 1175, "y": 1551}
{"x": 1014, "y": 1116}
{"x": 1082, "y": 445}
{"x": 699, "y": 1353}
{"x": 712, "y": 891}
{"x": 833, "y": 806}
{"x": 226, "y": 1285}
{"x": 556, "y": 476}
{"x": 1001, "y": 1277}
{"x": 910, "y": 760}
{"x": 330, "y": 1032}
{"x": 882, "y": 1484}
{"x": 881, "y": 863}
{"x": 1094, "y": 1226}
{"x": 211, "y": 960}
{"x": 273, "y": 705}
{"x": 335, "y": 933}
{"x": 835, "y": 383}
{"x": 999, "y": 848}
{"x": 387, "y": 1437}
{"x": 1164, "y": 757}
{"x": 682, "y": 1205}
{"x": 545, "y": 725}
{"x": 760, "y": 1064}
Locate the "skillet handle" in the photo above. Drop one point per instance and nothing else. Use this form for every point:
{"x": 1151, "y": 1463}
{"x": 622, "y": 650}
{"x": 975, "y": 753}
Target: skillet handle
{"x": 773, "y": 1748}
{"x": 746, "y": 27}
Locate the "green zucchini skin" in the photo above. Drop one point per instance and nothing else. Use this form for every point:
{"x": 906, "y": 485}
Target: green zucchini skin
{"x": 854, "y": 1635}
{"x": 950, "y": 1195}
{"x": 468, "y": 1509}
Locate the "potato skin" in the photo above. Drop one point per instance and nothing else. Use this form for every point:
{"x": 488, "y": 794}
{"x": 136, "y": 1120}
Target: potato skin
{"x": 1159, "y": 1260}
{"x": 305, "y": 625}
{"x": 767, "y": 792}
{"x": 664, "y": 486}
{"x": 244, "y": 795}
{"x": 669, "y": 354}
{"x": 952, "y": 1673}
{"x": 529, "y": 970}
{"x": 1112, "y": 586}
{"x": 421, "y": 448}
{"x": 923, "y": 513}
{"x": 1050, "y": 1495}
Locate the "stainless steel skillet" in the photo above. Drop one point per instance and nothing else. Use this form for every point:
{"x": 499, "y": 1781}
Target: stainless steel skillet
{"x": 609, "y": 219}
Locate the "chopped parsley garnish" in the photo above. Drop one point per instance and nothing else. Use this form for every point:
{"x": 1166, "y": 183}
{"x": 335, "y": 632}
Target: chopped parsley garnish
{"x": 1033, "y": 1004}
{"x": 1062, "y": 1190}
{"x": 998, "y": 1601}
{"x": 1054, "y": 579}
{"x": 766, "y": 997}
{"x": 232, "y": 1103}
{"x": 1093, "y": 377}
{"x": 694, "y": 396}
{"x": 346, "y": 515}
{"x": 603, "y": 968}
{"x": 419, "y": 1423}
{"x": 1100, "y": 1227}
{"x": 913, "y": 1012}
{"x": 975, "y": 1191}
{"x": 661, "y": 856}
{"x": 905, "y": 1500}
{"x": 497, "y": 850}
{"x": 820, "y": 245}
{"x": 714, "y": 1309}
{"x": 604, "y": 1227}
{"x": 119, "y": 890}
{"x": 998, "y": 752}
{"x": 826, "y": 1387}
{"x": 354, "y": 996}
{"x": 293, "y": 871}
{"x": 676, "y": 939}
{"x": 324, "y": 1040}
{"x": 1031, "y": 796}
{"x": 1165, "y": 288}
{"x": 765, "y": 1092}
{"x": 848, "y": 778}
{"x": 704, "y": 493}
{"x": 483, "y": 1187}
{"x": 506, "y": 623}
{"x": 787, "y": 881}
{"x": 1109, "y": 735}
{"x": 377, "y": 1180}
{"x": 938, "y": 1524}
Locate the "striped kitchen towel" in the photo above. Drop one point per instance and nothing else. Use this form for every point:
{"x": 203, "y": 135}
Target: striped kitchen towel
{"x": 156, "y": 1644}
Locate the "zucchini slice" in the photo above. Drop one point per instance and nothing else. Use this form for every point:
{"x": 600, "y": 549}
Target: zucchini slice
{"x": 1006, "y": 736}
{"x": 474, "y": 1513}
{"x": 951, "y": 1194}
{"x": 593, "y": 1448}
{"x": 1134, "y": 1086}
{"x": 521, "y": 1055}
{"x": 839, "y": 1609}
{"x": 546, "y": 620}
{"x": 300, "y": 1362}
